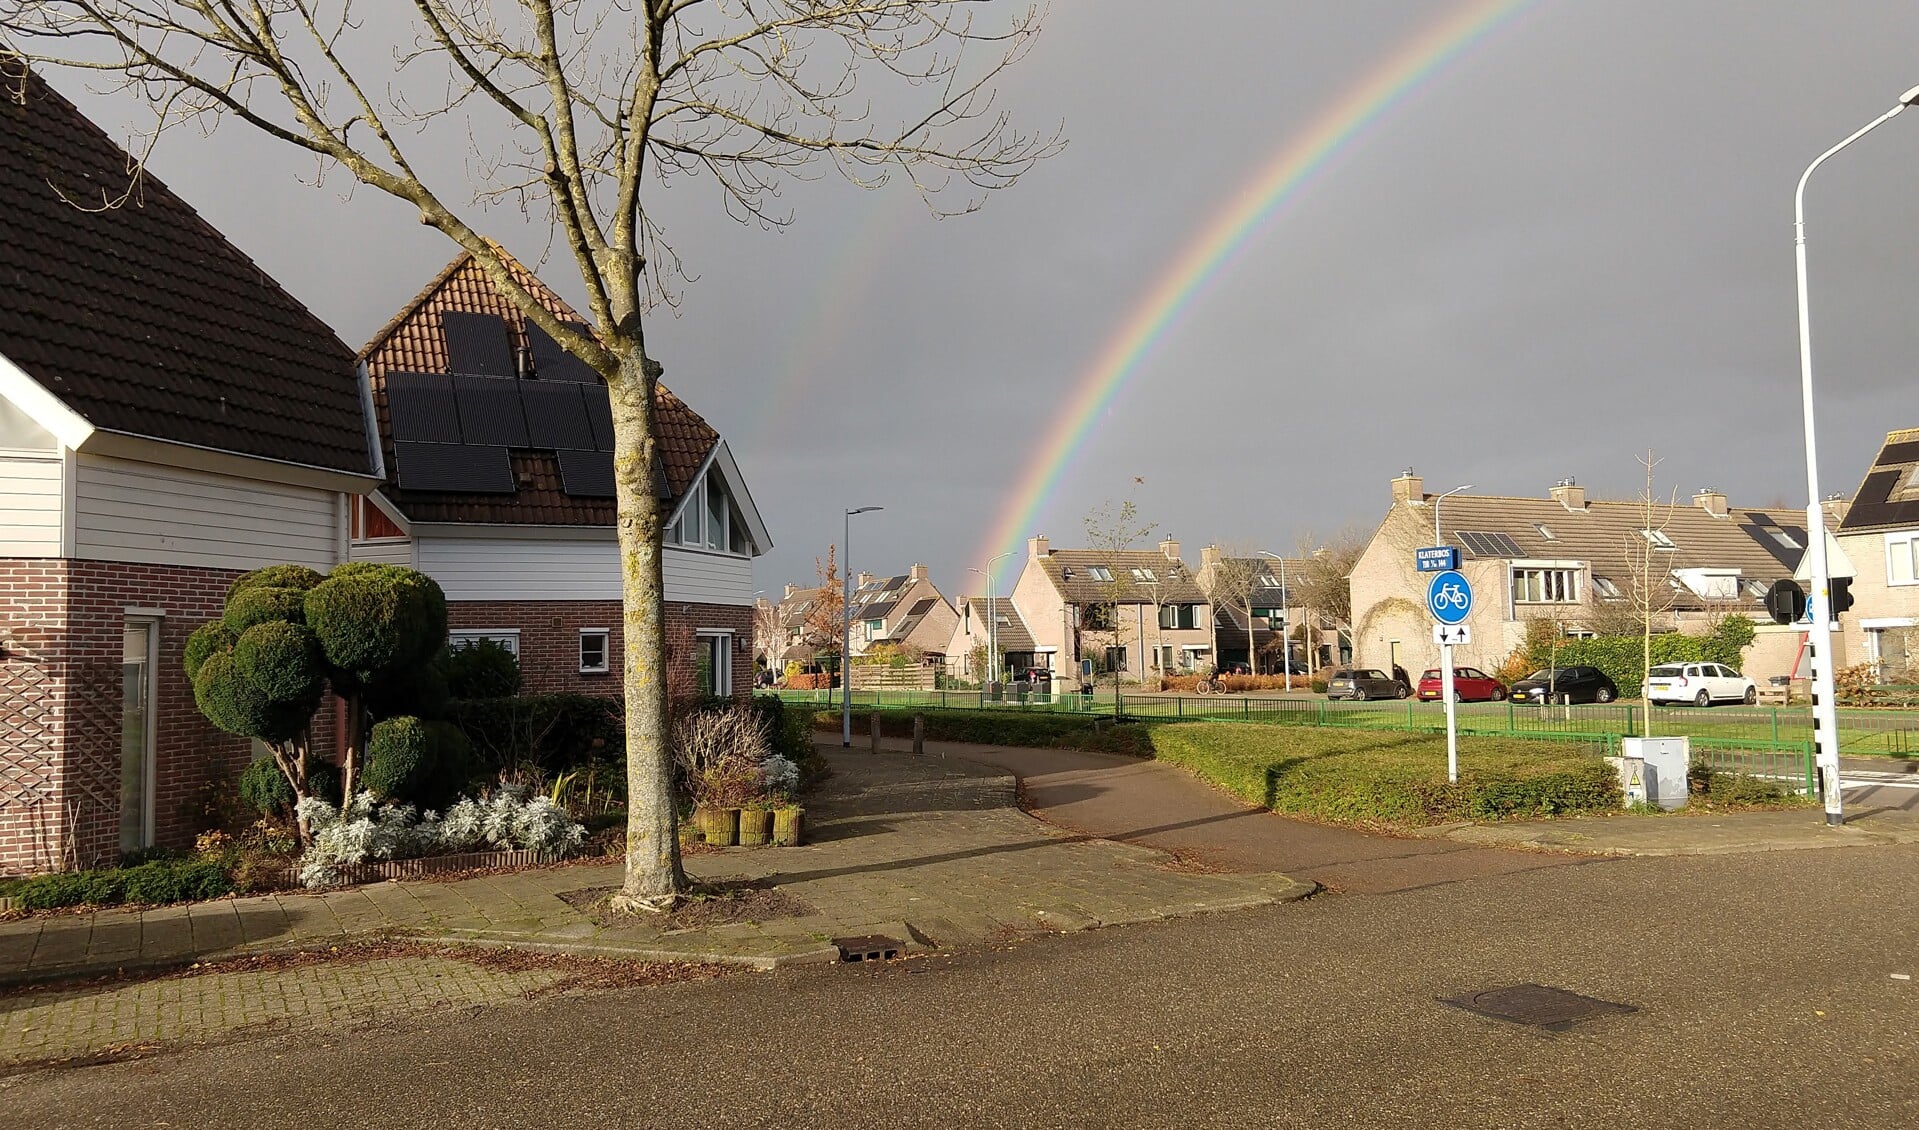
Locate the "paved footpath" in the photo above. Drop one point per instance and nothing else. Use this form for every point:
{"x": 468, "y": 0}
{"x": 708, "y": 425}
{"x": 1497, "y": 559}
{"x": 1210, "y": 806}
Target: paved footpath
{"x": 1162, "y": 806}
{"x": 932, "y": 852}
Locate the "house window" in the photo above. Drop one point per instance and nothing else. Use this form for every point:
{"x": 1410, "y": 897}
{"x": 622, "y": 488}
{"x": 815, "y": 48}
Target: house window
{"x": 1545, "y": 531}
{"x": 595, "y": 651}
{"x": 1268, "y": 581}
{"x": 1902, "y": 557}
{"x": 508, "y": 638}
{"x": 1658, "y": 539}
{"x": 1545, "y": 586}
{"x": 715, "y": 662}
{"x": 1785, "y": 539}
{"x": 1145, "y": 576}
{"x": 1115, "y": 659}
{"x": 1099, "y": 572}
{"x": 1178, "y": 615}
{"x": 875, "y": 629}
{"x": 1755, "y": 589}
{"x": 370, "y": 522}
{"x": 1607, "y": 588}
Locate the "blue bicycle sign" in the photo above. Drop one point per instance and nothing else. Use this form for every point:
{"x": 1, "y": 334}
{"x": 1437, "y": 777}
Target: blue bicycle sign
{"x": 1449, "y": 598}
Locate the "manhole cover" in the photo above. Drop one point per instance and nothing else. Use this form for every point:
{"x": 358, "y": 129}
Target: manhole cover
{"x": 1540, "y": 1006}
{"x": 868, "y": 947}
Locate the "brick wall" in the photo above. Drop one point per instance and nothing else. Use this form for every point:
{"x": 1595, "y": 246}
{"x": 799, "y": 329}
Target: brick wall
{"x": 62, "y": 623}
{"x": 550, "y": 637}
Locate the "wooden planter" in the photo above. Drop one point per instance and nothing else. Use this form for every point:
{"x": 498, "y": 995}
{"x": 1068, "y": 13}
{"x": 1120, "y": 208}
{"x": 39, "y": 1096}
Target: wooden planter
{"x": 786, "y": 826}
{"x": 756, "y": 826}
{"x": 719, "y": 826}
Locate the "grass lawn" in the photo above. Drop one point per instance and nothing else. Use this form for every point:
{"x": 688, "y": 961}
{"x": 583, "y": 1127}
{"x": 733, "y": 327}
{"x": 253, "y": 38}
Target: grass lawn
{"x": 1380, "y": 777}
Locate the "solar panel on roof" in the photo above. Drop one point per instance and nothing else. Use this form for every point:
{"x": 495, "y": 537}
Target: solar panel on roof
{"x": 599, "y": 413}
{"x": 420, "y": 408}
{"x": 555, "y": 416}
{"x": 477, "y": 344}
{"x": 490, "y": 411}
{"x": 553, "y": 363}
{"x": 454, "y": 467}
{"x": 922, "y": 607}
{"x": 1489, "y": 545}
{"x": 1897, "y": 453}
{"x": 586, "y": 474}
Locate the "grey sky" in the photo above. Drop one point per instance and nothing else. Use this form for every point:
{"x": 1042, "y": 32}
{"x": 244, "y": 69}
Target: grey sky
{"x": 1571, "y": 246}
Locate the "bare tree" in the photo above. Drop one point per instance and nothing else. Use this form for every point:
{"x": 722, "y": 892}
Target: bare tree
{"x": 1230, "y": 579}
{"x": 1324, "y": 584}
{"x": 577, "y": 113}
{"x": 1111, "y": 533}
{"x": 1649, "y": 553}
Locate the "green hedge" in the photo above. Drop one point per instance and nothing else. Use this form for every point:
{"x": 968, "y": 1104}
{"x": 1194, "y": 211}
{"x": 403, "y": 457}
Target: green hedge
{"x": 1622, "y": 658}
{"x": 154, "y": 882}
{"x": 1002, "y": 727}
{"x": 1396, "y": 779}
{"x": 553, "y": 732}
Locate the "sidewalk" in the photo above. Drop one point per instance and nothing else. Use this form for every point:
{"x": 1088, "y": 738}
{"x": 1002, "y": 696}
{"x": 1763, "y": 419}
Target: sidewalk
{"x": 928, "y": 851}
{"x": 1158, "y": 805}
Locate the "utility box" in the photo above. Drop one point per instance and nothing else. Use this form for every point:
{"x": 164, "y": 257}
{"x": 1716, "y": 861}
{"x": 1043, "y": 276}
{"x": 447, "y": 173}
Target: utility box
{"x": 1664, "y": 765}
{"x": 1632, "y": 778}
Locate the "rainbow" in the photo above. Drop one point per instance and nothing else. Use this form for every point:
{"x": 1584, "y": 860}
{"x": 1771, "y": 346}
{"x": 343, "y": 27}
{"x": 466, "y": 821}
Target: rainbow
{"x": 1244, "y": 217}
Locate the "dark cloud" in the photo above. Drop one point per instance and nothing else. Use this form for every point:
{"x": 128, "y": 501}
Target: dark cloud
{"x": 1571, "y": 247}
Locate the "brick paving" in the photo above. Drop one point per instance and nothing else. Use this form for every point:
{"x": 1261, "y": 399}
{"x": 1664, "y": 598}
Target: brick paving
{"x": 931, "y": 851}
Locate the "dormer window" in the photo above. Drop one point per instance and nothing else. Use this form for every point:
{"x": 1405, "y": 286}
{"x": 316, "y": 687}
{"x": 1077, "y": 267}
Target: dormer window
{"x": 1658, "y": 539}
{"x": 1145, "y": 576}
{"x": 1545, "y": 531}
{"x": 1099, "y": 572}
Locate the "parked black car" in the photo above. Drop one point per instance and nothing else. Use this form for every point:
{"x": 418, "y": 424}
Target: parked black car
{"x": 1362, "y": 683}
{"x": 1568, "y": 684}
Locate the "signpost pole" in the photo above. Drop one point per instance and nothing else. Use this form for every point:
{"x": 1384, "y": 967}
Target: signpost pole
{"x": 1452, "y": 729}
{"x": 1450, "y": 599}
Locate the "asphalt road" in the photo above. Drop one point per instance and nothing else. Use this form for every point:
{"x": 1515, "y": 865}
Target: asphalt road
{"x": 1763, "y": 986}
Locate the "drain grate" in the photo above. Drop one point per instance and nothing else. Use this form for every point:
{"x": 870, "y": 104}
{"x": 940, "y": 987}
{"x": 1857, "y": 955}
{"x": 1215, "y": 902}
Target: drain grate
{"x": 1540, "y": 1006}
{"x": 869, "y": 947}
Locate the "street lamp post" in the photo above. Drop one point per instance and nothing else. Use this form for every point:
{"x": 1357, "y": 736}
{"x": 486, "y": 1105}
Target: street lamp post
{"x": 1285, "y": 622}
{"x": 992, "y": 618}
{"x": 846, "y": 635}
{"x": 1825, "y": 713}
{"x": 1437, "y": 539}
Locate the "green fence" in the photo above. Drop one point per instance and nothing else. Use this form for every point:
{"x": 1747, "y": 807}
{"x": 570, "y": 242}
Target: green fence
{"x": 1770, "y": 742}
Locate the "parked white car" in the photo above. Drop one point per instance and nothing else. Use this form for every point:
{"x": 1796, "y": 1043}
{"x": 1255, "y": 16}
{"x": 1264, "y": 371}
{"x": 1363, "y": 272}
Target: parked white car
{"x": 1701, "y": 684}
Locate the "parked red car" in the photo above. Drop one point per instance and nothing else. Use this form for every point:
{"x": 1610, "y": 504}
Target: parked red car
{"x": 1470, "y": 684}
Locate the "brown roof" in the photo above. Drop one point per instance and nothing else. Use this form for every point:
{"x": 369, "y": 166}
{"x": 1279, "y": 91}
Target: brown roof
{"x": 413, "y": 342}
{"x": 1014, "y": 635}
{"x": 795, "y": 609}
{"x": 1888, "y": 498}
{"x": 1069, "y": 570}
{"x": 142, "y": 318}
{"x": 1606, "y": 536}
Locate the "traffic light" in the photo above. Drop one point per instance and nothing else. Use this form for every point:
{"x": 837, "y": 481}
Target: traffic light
{"x": 1786, "y": 601}
{"x": 1841, "y": 595}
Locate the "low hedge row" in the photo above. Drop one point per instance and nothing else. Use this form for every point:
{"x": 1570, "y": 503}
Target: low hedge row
{"x": 151, "y": 883}
{"x": 1003, "y": 727}
{"x": 1395, "y": 779}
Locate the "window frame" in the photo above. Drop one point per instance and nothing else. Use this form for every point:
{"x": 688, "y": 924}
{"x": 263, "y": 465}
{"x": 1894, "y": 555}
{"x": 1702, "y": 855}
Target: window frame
{"x": 1523, "y": 590}
{"x": 1909, "y": 541}
{"x": 606, "y": 651}
{"x": 508, "y": 638}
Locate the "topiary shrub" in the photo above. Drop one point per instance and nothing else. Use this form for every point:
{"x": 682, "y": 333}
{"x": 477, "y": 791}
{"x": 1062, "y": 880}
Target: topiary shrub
{"x": 375, "y": 620}
{"x": 482, "y": 669}
{"x": 278, "y": 576}
{"x": 265, "y": 789}
{"x": 262, "y": 604}
{"x": 209, "y": 638}
{"x": 282, "y": 660}
{"x": 417, "y": 762}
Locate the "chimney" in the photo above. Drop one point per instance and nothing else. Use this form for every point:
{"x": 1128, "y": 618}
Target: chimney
{"x": 1208, "y": 558}
{"x": 1711, "y": 501}
{"x": 1038, "y": 546}
{"x": 790, "y": 590}
{"x": 863, "y": 580}
{"x": 1408, "y": 487}
{"x": 1170, "y": 547}
{"x": 1569, "y": 494}
{"x": 1836, "y": 507}
{"x": 916, "y": 573}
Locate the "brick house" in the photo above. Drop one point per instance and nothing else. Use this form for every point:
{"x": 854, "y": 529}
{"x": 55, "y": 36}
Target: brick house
{"x": 983, "y": 622}
{"x": 1878, "y": 540}
{"x": 498, "y": 447}
{"x": 169, "y": 418}
{"x": 1162, "y": 623}
{"x": 908, "y": 610}
{"x": 1576, "y": 563}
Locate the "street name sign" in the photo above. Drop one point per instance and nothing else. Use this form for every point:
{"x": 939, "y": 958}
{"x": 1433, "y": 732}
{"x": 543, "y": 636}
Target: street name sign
{"x": 1449, "y": 597}
{"x": 1437, "y": 559}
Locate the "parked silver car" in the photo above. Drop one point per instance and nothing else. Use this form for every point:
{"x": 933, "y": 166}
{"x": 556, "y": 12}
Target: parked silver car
{"x": 1362, "y": 683}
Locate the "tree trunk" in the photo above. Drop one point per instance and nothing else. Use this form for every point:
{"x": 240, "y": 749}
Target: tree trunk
{"x": 654, "y": 877}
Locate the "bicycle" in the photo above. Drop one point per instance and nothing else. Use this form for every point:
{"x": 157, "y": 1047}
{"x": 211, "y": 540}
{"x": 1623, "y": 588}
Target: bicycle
{"x": 1213, "y": 685}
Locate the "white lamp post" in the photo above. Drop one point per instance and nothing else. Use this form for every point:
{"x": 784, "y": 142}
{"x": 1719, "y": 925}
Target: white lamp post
{"x": 992, "y": 618}
{"x": 846, "y": 636}
{"x": 1825, "y": 712}
{"x": 1437, "y": 538}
